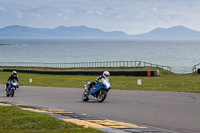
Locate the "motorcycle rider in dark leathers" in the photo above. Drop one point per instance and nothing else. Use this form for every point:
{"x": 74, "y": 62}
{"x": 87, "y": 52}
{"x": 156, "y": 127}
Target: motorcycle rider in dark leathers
{"x": 12, "y": 77}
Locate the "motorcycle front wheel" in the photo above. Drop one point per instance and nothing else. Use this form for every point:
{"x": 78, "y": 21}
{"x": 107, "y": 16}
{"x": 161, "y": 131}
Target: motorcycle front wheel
{"x": 7, "y": 92}
{"x": 102, "y": 95}
{"x": 85, "y": 95}
{"x": 12, "y": 92}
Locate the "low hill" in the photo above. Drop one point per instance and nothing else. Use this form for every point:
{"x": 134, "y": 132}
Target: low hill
{"x": 84, "y": 32}
{"x": 61, "y": 31}
{"x": 170, "y": 33}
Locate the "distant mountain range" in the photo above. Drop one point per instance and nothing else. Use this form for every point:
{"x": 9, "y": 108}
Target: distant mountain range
{"x": 83, "y": 32}
{"x": 177, "y": 32}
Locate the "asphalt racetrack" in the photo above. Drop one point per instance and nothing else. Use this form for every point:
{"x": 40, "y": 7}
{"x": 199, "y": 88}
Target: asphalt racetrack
{"x": 174, "y": 111}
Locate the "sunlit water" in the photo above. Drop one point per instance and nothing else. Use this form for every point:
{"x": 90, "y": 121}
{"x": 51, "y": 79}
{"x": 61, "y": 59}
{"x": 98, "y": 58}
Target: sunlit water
{"x": 162, "y": 52}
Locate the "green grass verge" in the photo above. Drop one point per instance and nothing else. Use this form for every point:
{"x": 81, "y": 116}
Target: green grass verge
{"x": 15, "y": 120}
{"x": 167, "y": 81}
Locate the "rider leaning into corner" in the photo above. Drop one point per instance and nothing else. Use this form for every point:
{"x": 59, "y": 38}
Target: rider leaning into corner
{"x": 105, "y": 75}
{"x": 12, "y": 77}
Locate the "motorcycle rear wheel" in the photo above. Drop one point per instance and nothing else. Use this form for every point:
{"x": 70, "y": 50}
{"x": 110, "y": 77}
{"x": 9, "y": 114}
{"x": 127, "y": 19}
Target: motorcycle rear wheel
{"x": 85, "y": 95}
{"x": 102, "y": 95}
{"x": 7, "y": 93}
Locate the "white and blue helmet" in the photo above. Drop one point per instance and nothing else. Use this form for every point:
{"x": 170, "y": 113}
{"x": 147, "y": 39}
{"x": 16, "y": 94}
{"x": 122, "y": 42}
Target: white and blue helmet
{"x": 106, "y": 74}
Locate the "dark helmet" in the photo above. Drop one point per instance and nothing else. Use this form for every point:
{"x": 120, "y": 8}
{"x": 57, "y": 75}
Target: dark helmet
{"x": 14, "y": 73}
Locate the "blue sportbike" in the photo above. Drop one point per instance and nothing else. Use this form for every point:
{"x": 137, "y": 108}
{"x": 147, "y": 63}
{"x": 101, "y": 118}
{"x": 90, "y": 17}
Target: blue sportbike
{"x": 13, "y": 85}
{"x": 97, "y": 92}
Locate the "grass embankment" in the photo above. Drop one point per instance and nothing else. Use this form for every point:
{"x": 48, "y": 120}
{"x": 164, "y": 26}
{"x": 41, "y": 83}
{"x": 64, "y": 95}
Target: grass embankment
{"x": 167, "y": 81}
{"x": 14, "y": 120}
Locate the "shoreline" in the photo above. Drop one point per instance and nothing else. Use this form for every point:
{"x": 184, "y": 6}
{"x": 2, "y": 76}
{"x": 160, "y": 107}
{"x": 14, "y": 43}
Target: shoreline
{"x": 4, "y": 44}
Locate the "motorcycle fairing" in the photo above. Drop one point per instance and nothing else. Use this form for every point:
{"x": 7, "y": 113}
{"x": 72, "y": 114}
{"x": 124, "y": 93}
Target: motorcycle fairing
{"x": 95, "y": 88}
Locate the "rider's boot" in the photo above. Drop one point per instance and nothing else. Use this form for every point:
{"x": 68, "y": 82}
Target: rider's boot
{"x": 88, "y": 88}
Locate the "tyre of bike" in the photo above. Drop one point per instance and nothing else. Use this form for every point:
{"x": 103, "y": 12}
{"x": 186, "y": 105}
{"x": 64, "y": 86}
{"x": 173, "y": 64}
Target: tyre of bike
{"x": 102, "y": 95}
{"x": 12, "y": 92}
{"x": 7, "y": 93}
{"x": 85, "y": 95}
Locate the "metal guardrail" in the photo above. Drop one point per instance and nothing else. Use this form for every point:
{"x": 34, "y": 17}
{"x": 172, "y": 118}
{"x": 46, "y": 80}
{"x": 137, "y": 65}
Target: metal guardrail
{"x": 194, "y": 68}
{"x": 85, "y": 64}
{"x": 175, "y": 69}
{"x": 181, "y": 69}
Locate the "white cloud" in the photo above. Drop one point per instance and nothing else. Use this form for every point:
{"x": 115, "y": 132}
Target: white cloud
{"x": 89, "y": 12}
{"x": 174, "y": 15}
{"x": 119, "y": 17}
{"x": 63, "y": 16}
{"x": 36, "y": 15}
{"x": 65, "y": 10}
{"x": 2, "y": 9}
{"x": 99, "y": 13}
{"x": 155, "y": 10}
{"x": 19, "y": 14}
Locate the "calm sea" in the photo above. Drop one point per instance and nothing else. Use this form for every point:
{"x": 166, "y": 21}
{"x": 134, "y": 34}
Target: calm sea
{"x": 161, "y": 52}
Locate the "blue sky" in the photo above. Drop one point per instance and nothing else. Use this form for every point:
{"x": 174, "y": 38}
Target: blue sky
{"x": 130, "y": 16}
